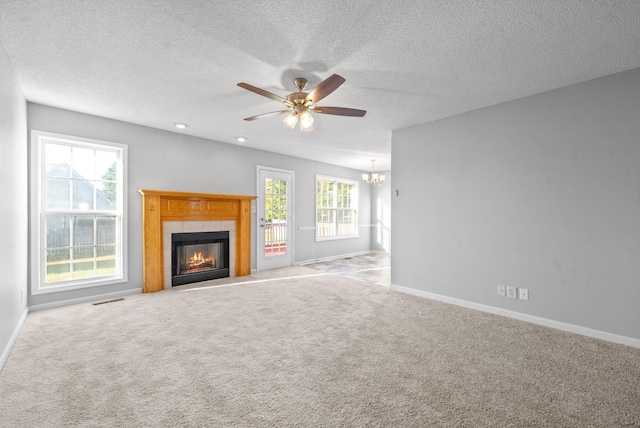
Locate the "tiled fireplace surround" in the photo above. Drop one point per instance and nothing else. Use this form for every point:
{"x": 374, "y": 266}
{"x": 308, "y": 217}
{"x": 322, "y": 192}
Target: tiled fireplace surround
{"x": 167, "y": 212}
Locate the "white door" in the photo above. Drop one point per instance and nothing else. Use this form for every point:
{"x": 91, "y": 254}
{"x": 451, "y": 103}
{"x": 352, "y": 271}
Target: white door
{"x": 275, "y": 222}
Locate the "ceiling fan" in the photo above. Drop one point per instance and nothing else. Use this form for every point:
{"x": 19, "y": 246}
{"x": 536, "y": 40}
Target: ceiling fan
{"x": 300, "y": 104}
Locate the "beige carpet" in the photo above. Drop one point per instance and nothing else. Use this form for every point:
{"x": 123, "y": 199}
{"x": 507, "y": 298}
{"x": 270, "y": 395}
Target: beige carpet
{"x": 321, "y": 350}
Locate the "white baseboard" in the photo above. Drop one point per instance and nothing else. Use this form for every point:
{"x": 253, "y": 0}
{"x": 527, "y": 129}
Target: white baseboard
{"x": 94, "y": 298}
{"x": 12, "y": 340}
{"x": 340, "y": 256}
{"x": 585, "y": 331}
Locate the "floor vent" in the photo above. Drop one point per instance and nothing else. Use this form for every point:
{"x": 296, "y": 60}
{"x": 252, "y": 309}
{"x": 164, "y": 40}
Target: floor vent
{"x": 107, "y": 301}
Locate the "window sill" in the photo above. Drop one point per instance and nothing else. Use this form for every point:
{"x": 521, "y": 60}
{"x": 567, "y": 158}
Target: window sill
{"x": 336, "y": 238}
{"x": 67, "y": 286}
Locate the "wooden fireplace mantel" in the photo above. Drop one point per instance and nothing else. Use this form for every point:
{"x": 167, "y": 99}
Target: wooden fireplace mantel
{"x": 159, "y": 206}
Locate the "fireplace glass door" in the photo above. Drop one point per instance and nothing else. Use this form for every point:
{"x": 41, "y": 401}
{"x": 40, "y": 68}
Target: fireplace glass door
{"x": 200, "y": 256}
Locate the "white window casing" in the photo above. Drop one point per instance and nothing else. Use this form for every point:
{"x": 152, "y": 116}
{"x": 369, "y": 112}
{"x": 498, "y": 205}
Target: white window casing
{"x": 78, "y": 212}
{"x": 336, "y": 208}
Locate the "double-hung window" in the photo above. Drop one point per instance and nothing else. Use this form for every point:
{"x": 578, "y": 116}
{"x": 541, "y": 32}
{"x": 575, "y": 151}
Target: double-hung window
{"x": 336, "y": 208}
{"x": 78, "y": 212}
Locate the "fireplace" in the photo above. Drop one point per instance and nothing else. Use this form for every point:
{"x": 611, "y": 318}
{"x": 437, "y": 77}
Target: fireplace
{"x": 199, "y": 256}
{"x": 165, "y": 212}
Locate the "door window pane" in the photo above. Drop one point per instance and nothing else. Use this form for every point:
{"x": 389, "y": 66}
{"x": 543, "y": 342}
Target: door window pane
{"x": 275, "y": 226}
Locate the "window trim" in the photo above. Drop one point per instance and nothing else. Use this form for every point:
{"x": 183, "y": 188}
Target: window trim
{"x": 36, "y": 219}
{"x": 356, "y": 210}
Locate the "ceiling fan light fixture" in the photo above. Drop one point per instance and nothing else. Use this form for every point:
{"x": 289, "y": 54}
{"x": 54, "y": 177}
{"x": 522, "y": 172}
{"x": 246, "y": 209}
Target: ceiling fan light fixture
{"x": 306, "y": 121}
{"x": 291, "y": 120}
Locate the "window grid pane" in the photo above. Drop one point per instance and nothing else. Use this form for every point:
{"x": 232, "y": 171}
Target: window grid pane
{"x": 57, "y": 191}
{"x": 58, "y": 265}
{"x": 84, "y": 262}
{"x": 106, "y": 260}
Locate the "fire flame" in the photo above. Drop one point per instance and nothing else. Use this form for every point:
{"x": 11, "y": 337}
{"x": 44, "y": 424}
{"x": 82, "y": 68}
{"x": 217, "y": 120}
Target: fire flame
{"x": 198, "y": 260}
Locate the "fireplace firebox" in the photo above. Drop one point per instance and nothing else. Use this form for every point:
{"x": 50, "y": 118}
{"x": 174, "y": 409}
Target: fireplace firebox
{"x": 199, "y": 256}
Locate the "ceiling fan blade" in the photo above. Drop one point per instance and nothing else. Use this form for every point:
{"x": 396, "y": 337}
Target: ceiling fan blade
{"x": 264, "y": 93}
{"x": 340, "y": 111}
{"x": 273, "y": 113}
{"x": 325, "y": 87}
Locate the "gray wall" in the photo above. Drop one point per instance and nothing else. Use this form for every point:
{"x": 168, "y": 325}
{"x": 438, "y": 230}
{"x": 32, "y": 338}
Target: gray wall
{"x": 541, "y": 193}
{"x": 13, "y": 209}
{"x": 162, "y": 160}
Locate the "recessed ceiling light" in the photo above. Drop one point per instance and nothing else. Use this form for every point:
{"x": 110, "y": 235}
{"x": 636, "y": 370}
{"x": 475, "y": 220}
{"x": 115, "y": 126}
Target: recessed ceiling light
{"x": 241, "y": 139}
{"x": 181, "y": 125}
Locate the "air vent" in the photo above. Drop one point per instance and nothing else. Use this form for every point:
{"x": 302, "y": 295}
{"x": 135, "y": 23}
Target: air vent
{"x": 107, "y": 301}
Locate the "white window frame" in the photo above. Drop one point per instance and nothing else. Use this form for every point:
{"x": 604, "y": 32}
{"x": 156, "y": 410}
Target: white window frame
{"x": 355, "y": 207}
{"x": 37, "y": 217}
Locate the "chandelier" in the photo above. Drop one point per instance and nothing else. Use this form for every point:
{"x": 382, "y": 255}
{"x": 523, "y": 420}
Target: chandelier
{"x": 375, "y": 178}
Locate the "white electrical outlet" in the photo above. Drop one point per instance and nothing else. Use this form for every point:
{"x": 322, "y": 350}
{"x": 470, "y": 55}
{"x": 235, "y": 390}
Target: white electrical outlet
{"x": 512, "y": 292}
{"x": 502, "y": 290}
{"x": 523, "y": 293}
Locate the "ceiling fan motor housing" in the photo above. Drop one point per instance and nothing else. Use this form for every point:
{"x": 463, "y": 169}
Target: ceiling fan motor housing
{"x": 300, "y": 83}
{"x": 297, "y": 97}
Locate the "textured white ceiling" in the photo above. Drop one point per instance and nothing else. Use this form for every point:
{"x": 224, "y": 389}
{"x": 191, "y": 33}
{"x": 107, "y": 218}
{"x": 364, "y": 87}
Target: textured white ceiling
{"x": 156, "y": 62}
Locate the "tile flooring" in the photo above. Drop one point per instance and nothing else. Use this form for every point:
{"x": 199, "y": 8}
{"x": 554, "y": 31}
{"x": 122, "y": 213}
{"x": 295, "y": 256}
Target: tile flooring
{"x": 370, "y": 267}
